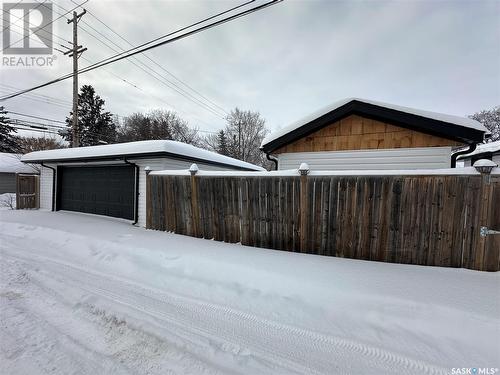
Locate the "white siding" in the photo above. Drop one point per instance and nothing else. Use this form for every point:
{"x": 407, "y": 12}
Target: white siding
{"x": 156, "y": 165}
{"x": 495, "y": 158}
{"x": 46, "y": 188}
{"x": 399, "y": 158}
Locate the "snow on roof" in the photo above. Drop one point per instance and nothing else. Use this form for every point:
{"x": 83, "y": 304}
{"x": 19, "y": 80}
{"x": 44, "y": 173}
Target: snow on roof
{"x": 481, "y": 148}
{"x": 457, "y": 120}
{"x": 355, "y": 173}
{"x": 137, "y": 148}
{"x": 11, "y": 163}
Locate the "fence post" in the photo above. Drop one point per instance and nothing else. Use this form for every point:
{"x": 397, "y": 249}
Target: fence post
{"x": 304, "y": 209}
{"x": 194, "y": 200}
{"x": 37, "y": 192}
{"x": 148, "y": 198}
{"x": 17, "y": 191}
{"x": 484, "y": 167}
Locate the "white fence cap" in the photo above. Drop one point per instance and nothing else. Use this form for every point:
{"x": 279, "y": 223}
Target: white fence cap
{"x": 485, "y": 163}
{"x": 193, "y": 168}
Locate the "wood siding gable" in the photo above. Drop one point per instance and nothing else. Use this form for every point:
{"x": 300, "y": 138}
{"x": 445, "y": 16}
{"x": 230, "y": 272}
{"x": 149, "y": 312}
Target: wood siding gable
{"x": 360, "y": 133}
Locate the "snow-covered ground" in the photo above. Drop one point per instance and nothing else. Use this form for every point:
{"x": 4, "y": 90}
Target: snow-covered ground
{"x": 82, "y": 294}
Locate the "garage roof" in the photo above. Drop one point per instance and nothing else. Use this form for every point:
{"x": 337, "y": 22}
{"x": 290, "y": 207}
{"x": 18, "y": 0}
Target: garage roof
{"x": 141, "y": 149}
{"x": 453, "y": 127}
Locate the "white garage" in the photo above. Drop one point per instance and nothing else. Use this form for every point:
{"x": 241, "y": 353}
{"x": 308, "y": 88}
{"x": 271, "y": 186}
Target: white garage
{"x": 111, "y": 179}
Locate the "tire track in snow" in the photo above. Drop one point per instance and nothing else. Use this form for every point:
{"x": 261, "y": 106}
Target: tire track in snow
{"x": 294, "y": 348}
{"x": 40, "y": 328}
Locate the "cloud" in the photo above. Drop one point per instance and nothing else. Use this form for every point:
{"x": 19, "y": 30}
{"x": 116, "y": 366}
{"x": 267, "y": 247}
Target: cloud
{"x": 287, "y": 60}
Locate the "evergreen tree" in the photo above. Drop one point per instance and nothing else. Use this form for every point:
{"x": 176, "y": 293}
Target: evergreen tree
{"x": 222, "y": 144}
{"x": 95, "y": 126}
{"x": 8, "y": 140}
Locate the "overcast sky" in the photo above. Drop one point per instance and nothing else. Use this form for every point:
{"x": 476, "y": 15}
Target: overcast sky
{"x": 284, "y": 61}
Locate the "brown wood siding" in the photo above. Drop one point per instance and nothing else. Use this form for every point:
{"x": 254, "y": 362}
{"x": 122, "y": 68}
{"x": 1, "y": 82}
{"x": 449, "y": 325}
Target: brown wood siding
{"x": 360, "y": 133}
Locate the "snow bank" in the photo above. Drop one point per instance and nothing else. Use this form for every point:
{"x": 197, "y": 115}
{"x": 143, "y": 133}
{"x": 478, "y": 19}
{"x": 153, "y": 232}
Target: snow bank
{"x": 11, "y": 163}
{"x": 460, "y": 121}
{"x": 89, "y": 295}
{"x": 137, "y": 148}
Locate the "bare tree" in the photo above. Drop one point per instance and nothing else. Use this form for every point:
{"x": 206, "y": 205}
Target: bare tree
{"x": 8, "y": 200}
{"x": 491, "y": 120}
{"x": 157, "y": 124}
{"x": 241, "y": 138}
{"x": 30, "y": 144}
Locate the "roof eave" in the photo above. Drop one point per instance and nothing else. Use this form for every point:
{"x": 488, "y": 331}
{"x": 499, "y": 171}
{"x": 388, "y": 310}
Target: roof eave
{"x": 137, "y": 156}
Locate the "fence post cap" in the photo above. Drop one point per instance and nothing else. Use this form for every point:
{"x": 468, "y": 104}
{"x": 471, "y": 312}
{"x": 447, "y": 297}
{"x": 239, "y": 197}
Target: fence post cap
{"x": 147, "y": 169}
{"x": 485, "y": 166}
{"x": 303, "y": 169}
{"x": 193, "y": 169}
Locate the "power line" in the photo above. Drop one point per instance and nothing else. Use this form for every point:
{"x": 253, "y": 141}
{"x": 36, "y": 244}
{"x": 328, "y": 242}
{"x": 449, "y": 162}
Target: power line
{"x": 36, "y": 117}
{"x": 38, "y": 99}
{"x": 44, "y": 101}
{"x": 156, "y": 63}
{"x": 153, "y": 73}
{"x": 38, "y": 96}
{"x": 196, "y": 100}
{"x": 82, "y": 57}
{"x": 171, "y": 40}
{"x": 213, "y": 108}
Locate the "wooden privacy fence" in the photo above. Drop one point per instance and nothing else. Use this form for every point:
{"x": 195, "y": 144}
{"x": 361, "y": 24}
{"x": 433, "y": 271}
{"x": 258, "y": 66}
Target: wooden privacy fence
{"x": 426, "y": 220}
{"x": 27, "y": 191}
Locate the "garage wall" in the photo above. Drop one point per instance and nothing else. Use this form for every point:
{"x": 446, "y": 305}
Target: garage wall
{"x": 495, "y": 158}
{"x": 46, "y": 187}
{"x": 156, "y": 165}
{"x": 400, "y": 158}
{"x": 7, "y": 183}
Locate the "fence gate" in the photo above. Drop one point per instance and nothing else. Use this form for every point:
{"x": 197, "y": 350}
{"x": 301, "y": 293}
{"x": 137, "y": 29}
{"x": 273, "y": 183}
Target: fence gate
{"x": 27, "y": 191}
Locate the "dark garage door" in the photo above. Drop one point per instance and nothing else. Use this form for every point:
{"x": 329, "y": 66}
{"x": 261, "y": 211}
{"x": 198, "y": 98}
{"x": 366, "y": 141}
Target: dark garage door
{"x": 103, "y": 190}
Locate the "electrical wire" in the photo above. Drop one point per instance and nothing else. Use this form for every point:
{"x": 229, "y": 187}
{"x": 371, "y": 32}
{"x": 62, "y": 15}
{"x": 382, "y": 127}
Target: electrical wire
{"x": 154, "y": 62}
{"x": 152, "y": 72}
{"x": 36, "y": 117}
{"x": 6, "y": 87}
{"x": 124, "y": 55}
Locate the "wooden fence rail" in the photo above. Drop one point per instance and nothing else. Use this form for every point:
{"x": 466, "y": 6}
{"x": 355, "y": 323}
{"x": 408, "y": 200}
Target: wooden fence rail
{"x": 426, "y": 220}
{"x": 27, "y": 191}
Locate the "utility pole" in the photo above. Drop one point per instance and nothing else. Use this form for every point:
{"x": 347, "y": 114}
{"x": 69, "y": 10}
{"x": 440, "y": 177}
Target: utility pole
{"x": 75, "y": 52}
